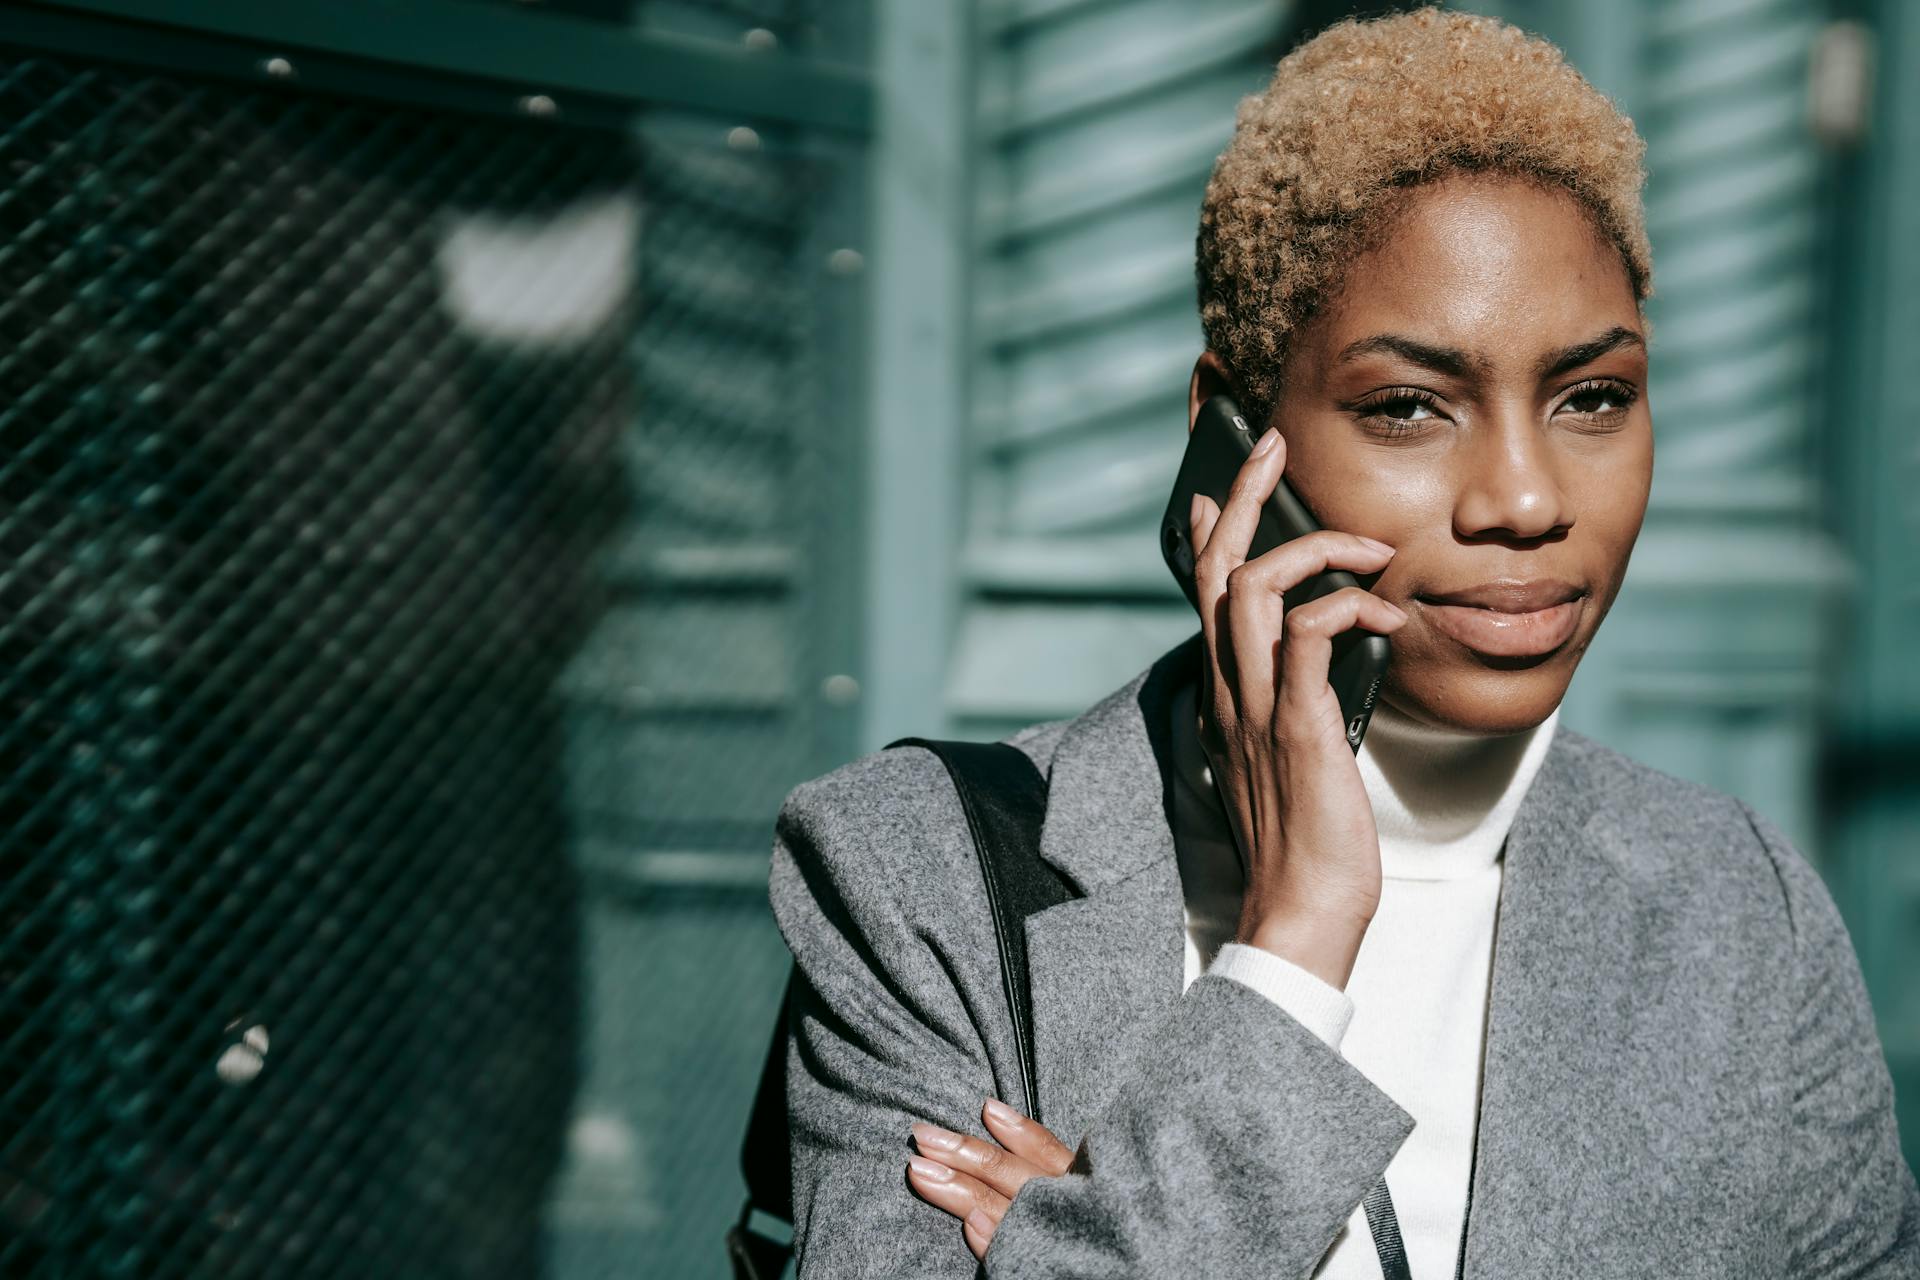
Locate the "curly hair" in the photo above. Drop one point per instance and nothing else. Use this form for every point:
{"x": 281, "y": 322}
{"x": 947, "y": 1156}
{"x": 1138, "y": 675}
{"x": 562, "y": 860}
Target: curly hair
{"x": 1323, "y": 157}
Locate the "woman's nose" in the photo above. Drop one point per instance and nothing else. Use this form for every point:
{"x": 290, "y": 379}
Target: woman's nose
{"x": 1510, "y": 487}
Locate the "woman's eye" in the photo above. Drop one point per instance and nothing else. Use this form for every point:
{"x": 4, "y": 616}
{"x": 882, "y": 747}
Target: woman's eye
{"x": 1602, "y": 400}
{"x": 1396, "y": 414}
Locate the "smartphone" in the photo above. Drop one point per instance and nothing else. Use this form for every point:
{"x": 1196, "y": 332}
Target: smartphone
{"x": 1218, "y": 445}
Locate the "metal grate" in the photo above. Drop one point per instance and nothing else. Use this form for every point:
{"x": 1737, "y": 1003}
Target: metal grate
{"x": 344, "y": 447}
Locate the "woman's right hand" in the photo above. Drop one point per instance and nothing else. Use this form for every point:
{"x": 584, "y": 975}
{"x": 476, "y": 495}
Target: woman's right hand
{"x": 1272, "y": 726}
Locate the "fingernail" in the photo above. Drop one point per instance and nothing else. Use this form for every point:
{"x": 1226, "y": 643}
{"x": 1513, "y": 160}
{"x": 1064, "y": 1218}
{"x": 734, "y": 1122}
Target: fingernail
{"x": 1396, "y": 608}
{"x": 1267, "y": 442}
{"x": 932, "y": 1170}
{"x": 980, "y": 1222}
{"x": 932, "y": 1135}
{"x": 1002, "y": 1112}
{"x": 1375, "y": 543}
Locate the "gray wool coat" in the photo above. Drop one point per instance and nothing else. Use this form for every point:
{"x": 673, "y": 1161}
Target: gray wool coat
{"x": 1682, "y": 1076}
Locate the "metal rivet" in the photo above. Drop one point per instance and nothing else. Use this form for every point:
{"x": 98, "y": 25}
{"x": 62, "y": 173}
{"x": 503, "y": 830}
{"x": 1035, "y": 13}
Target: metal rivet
{"x": 741, "y": 138}
{"x": 279, "y": 68}
{"x": 539, "y": 104}
{"x": 760, "y": 38}
{"x": 845, "y": 262}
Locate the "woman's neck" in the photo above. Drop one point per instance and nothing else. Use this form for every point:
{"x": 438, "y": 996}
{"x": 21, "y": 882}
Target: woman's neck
{"x": 1444, "y": 798}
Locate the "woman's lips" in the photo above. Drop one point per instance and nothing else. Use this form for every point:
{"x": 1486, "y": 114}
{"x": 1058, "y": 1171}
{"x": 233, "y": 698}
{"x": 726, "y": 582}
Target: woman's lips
{"x": 1506, "y": 635}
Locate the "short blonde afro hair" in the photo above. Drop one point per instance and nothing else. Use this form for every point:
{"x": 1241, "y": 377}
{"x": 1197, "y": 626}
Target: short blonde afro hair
{"x": 1321, "y": 159}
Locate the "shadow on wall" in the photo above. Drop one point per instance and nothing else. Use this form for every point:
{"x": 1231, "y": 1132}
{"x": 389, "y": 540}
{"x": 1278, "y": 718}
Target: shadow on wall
{"x": 289, "y": 928}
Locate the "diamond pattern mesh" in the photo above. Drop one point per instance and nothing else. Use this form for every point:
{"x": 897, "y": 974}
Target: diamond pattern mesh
{"x": 348, "y": 451}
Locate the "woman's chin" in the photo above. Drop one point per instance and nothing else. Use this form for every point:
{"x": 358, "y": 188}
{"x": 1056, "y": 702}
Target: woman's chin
{"x": 1479, "y": 701}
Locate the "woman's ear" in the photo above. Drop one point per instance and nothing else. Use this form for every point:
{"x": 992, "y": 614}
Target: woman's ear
{"x": 1209, "y": 379}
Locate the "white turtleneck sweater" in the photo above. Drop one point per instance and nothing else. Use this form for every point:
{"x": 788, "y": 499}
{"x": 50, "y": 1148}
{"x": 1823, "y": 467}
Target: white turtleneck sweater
{"x": 1413, "y": 1015}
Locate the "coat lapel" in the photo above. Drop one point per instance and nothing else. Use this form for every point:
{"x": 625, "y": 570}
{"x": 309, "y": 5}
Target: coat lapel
{"x": 1555, "y": 1128}
{"x": 1105, "y": 967}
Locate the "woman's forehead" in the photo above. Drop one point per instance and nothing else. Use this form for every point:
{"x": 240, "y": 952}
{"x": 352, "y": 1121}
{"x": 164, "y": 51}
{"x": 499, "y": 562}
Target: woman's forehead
{"x": 1496, "y": 272}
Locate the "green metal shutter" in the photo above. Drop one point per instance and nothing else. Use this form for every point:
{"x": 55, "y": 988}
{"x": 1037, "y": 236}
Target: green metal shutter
{"x": 1870, "y": 445}
{"x": 1097, "y": 125}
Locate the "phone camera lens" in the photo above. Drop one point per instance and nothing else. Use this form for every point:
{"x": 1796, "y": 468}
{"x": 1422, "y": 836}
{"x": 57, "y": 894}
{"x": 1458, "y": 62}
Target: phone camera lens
{"x": 1173, "y": 543}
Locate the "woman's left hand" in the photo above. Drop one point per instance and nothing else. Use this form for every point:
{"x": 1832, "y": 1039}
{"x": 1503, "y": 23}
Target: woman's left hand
{"x": 975, "y": 1180}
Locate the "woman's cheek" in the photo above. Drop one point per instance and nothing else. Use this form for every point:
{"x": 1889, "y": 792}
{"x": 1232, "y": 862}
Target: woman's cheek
{"x": 1403, "y": 512}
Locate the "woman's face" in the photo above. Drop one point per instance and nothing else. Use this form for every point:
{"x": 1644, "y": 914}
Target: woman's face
{"x": 1475, "y": 396}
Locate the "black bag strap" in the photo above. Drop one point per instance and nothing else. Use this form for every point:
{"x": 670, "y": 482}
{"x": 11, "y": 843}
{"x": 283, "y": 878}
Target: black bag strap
{"x": 764, "y": 1161}
{"x": 1385, "y": 1225}
{"x": 1004, "y": 797}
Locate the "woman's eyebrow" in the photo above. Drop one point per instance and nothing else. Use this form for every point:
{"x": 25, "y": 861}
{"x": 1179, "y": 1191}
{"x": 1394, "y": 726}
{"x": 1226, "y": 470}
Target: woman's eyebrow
{"x": 1573, "y": 357}
{"x": 1440, "y": 359}
{"x": 1458, "y": 364}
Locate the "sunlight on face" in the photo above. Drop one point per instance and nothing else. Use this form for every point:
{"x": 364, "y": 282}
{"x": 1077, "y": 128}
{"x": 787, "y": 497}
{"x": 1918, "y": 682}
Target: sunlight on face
{"x": 1475, "y": 395}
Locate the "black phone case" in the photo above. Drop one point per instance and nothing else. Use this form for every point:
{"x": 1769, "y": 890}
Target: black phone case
{"x": 1217, "y": 447}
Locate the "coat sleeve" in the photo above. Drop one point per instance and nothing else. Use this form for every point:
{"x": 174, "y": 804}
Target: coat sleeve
{"x": 1236, "y": 1141}
{"x": 1854, "y": 1205}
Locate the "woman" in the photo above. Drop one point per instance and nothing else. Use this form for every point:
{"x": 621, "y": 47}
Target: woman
{"x": 1422, "y": 264}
